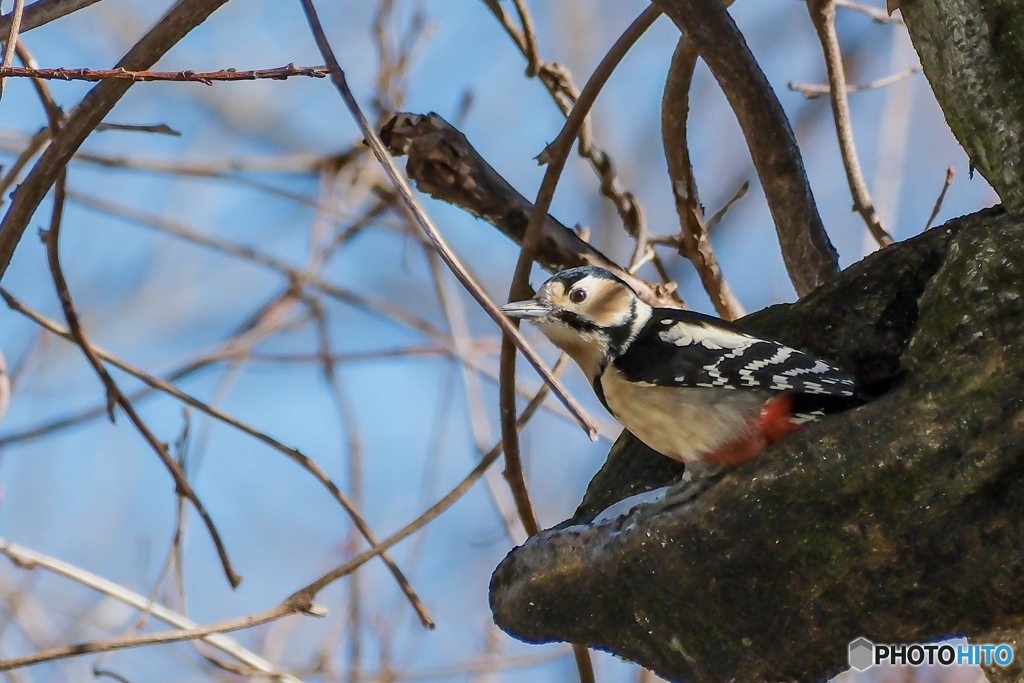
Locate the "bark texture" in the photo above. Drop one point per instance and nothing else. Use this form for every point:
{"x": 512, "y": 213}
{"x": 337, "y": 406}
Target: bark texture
{"x": 902, "y": 521}
{"x": 972, "y": 52}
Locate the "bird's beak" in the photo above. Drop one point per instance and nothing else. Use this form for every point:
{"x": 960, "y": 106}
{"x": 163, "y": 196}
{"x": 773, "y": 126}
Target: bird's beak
{"x": 527, "y": 310}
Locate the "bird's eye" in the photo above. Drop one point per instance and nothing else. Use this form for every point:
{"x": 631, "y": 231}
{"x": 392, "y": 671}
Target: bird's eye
{"x": 578, "y": 296}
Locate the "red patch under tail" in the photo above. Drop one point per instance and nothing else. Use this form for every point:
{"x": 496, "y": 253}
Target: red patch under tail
{"x": 772, "y": 425}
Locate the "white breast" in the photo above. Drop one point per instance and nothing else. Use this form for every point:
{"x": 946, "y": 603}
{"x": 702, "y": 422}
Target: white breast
{"x": 680, "y": 422}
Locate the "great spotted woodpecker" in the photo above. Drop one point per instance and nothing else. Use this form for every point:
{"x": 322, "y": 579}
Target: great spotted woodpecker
{"x": 690, "y": 386}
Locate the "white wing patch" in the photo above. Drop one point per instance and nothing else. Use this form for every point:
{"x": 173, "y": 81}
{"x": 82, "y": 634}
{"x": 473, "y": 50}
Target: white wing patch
{"x": 818, "y": 368}
{"x": 719, "y": 357}
{"x": 683, "y": 334}
{"x": 747, "y": 373}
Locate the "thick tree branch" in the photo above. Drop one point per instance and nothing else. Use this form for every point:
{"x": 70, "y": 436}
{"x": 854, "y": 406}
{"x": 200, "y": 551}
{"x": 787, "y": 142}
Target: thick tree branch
{"x": 809, "y": 256}
{"x": 446, "y": 166}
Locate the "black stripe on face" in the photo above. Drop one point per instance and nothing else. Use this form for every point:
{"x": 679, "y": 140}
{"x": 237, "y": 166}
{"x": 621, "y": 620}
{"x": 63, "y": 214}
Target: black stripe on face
{"x": 615, "y": 338}
{"x": 576, "y": 321}
{"x": 620, "y": 334}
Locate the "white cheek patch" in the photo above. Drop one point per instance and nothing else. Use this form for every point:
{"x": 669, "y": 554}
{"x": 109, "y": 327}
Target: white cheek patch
{"x": 683, "y": 334}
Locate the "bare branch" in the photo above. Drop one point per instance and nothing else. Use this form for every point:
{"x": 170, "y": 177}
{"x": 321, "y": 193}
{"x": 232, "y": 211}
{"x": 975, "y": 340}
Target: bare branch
{"x": 447, "y": 167}
{"x": 430, "y": 514}
{"x": 814, "y": 90}
{"x": 806, "y": 250}
{"x": 950, "y": 173}
{"x": 879, "y": 16}
{"x": 425, "y": 224}
{"x": 206, "y": 77}
{"x": 695, "y": 242}
{"x": 5, "y": 386}
{"x": 43, "y": 12}
{"x": 555, "y": 156}
{"x": 176, "y": 636}
{"x": 558, "y": 81}
{"x": 27, "y": 558}
{"x": 12, "y": 40}
{"x": 823, "y": 14}
{"x": 182, "y": 18}
{"x": 114, "y": 394}
{"x": 293, "y": 454}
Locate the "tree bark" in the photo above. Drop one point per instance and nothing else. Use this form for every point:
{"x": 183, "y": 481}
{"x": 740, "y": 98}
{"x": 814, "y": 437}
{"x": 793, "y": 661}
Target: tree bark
{"x": 972, "y": 52}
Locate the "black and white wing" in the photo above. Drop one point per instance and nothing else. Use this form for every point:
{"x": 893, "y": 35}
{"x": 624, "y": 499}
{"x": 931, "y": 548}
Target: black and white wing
{"x": 687, "y": 349}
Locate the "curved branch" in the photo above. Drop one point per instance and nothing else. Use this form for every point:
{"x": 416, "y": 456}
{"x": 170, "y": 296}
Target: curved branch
{"x": 695, "y": 241}
{"x": 809, "y": 256}
{"x": 554, "y": 155}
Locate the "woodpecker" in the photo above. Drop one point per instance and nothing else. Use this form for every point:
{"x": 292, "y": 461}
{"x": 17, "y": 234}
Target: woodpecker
{"x": 690, "y": 386}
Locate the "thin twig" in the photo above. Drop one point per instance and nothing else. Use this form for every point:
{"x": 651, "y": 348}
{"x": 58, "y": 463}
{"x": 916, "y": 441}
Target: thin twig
{"x": 299, "y": 162}
{"x": 717, "y": 216}
{"x": 942, "y": 195}
{"x": 5, "y": 386}
{"x": 823, "y": 15}
{"x": 555, "y": 156}
{"x": 294, "y": 454}
{"x": 425, "y": 224}
{"x": 814, "y": 90}
{"x": 459, "y": 326}
{"x": 301, "y": 601}
{"x": 437, "y": 508}
{"x": 879, "y": 16}
{"x": 179, "y": 20}
{"x": 447, "y": 167}
{"x": 808, "y": 254}
{"x": 114, "y": 393}
{"x": 380, "y": 308}
{"x": 176, "y": 636}
{"x": 155, "y": 128}
{"x": 206, "y": 77}
{"x": 558, "y": 81}
{"x": 27, "y": 558}
{"x": 12, "y": 41}
{"x": 529, "y": 39}
{"x": 694, "y": 236}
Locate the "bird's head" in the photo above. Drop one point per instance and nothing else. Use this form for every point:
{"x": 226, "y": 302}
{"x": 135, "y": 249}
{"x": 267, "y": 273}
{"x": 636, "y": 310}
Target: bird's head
{"x": 587, "y": 312}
